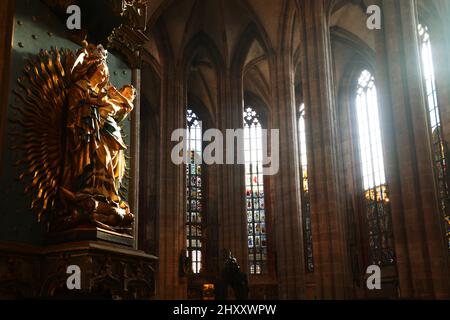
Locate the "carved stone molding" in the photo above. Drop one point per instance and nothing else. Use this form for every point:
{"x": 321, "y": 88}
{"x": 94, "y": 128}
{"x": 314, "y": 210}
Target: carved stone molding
{"x": 129, "y": 37}
{"x": 128, "y": 42}
{"x": 107, "y": 272}
{"x": 135, "y": 13}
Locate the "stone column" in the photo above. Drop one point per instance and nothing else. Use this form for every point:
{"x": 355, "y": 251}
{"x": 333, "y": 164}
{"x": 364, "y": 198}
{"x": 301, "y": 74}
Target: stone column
{"x": 419, "y": 243}
{"x": 329, "y": 235}
{"x": 171, "y": 223}
{"x": 231, "y": 180}
{"x": 7, "y": 27}
{"x": 170, "y": 284}
{"x": 285, "y": 187}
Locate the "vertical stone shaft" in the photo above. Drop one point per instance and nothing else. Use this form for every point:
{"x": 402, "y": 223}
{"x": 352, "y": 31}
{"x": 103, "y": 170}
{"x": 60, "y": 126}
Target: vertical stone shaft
{"x": 232, "y": 217}
{"x": 285, "y": 188}
{"x": 172, "y": 191}
{"x": 329, "y": 236}
{"x": 421, "y": 255}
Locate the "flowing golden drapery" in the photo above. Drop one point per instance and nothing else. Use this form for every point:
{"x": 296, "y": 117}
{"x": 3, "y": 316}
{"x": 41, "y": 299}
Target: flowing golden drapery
{"x": 95, "y": 148}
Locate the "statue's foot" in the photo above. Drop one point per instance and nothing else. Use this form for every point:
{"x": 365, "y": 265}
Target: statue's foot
{"x": 113, "y": 216}
{"x": 128, "y": 219}
{"x": 86, "y": 207}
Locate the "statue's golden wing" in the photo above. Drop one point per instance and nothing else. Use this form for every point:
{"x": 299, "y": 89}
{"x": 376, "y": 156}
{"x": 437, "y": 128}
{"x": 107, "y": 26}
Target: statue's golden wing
{"x": 39, "y": 125}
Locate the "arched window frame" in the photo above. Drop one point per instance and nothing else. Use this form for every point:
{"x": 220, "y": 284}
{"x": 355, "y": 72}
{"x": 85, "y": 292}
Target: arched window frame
{"x": 304, "y": 188}
{"x": 440, "y": 148}
{"x": 195, "y": 193}
{"x": 374, "y": 201}
{"x": 255, "y": 195}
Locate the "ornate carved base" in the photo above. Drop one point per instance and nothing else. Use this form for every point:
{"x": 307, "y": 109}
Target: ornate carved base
{"x": 108, "y": 271}
{"x": 89, "y": 233}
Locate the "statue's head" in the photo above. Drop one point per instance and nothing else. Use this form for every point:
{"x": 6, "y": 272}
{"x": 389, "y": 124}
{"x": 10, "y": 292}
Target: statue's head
{"x": 98, "y": 75}
{"x": 91, "y": 65}
{"x": 129, "y": 92}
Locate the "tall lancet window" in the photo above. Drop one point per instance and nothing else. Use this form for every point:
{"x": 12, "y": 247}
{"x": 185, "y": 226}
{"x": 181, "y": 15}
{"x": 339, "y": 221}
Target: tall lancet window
{"x": 194, "y": 192}
{"x": 440, "y": 147}
{"x": 254, "y": 190}
{"x": 306, "y": 208}
{"x": 376, "y": 192}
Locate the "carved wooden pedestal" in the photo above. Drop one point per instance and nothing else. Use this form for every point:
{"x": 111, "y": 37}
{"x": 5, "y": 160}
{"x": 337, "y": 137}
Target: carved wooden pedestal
{"x": 108, "y": 271}
{"x": 89, "y": 233}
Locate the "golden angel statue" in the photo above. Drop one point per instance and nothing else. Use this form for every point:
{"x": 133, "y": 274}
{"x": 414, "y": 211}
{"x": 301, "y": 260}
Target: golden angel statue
{"x": 69, "y": 131}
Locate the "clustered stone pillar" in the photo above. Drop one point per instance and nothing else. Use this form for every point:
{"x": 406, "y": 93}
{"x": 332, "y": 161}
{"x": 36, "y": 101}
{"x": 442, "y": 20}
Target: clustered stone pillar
{"x": 329, "y": 237}
{"x": 285, "y": 188}
{"x": 231, "y": 216}
{"x": 170, "y": 285}
{"x": 422, "y": 259}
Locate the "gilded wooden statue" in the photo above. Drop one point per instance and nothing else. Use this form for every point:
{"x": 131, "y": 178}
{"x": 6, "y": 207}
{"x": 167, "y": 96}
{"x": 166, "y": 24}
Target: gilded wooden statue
{"x": 68, "y": 128}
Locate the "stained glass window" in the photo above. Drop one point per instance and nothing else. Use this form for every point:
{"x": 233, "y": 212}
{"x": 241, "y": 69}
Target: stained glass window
{"x": 194, "y": 192}
{"x": 376, "y": 191}
{"x": 306, "y": 209}
{"x": 254, "y": 191}
{"x": 440, "y": 147}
